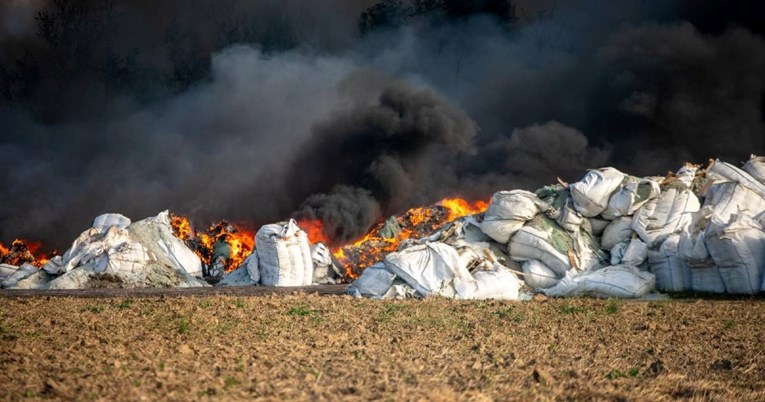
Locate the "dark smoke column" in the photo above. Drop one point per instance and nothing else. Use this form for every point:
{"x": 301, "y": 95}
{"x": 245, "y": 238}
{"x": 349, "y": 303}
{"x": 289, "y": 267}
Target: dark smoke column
{"x": 374, "y": 160}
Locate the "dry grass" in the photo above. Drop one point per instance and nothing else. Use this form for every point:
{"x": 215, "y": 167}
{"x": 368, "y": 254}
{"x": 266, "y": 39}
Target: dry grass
{"x": 313, "y": 347}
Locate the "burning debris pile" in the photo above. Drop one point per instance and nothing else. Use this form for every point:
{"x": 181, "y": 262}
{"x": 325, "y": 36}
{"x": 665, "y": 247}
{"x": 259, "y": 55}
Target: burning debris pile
{"x": 222, "y": 248}
{"x": 388, "y": 236}
{"x": 610, "y": 234}
{"x": 115, "y": 252}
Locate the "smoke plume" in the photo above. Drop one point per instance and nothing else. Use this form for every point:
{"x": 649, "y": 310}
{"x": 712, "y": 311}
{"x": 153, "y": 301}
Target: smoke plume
{"x": 255, "y": 111}
{"x": 382, "y": 149}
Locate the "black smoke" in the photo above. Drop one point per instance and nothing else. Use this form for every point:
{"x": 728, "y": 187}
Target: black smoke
{"x": 259, "y": 110}
{"x": 384, "y": 150}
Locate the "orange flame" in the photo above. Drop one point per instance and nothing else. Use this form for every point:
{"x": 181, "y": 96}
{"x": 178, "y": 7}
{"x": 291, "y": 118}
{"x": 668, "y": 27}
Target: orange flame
{"x": 458, "y": 207}
{"x": 315, "y": 230}
{"x": 23, "y": 251}
{"x": 181, "y": 226}
{"x": 414, "y": 223}
{"x": 240, "y": 241}
{"x": 369, "y": 249}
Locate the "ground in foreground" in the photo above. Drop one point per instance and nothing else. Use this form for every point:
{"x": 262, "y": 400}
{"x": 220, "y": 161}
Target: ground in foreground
{"x": 335, "y": 347}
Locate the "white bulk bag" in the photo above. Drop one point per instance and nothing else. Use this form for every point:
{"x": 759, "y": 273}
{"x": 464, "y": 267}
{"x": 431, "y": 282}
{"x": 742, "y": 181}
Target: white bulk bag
{"x": 284, "y": 255}
{"x": 103, "y": 222}
{"x": 156, "y": 235}
{"x": 671, "y": 271}
{"x": 630, "y": 196}
{"x": 707, "y": 279}
{"x": 432, "y": 269}
{"x": 6, "y": 270}
{"x": 618, "y": 281}
{"x": 705, "y": 275}
{"x": 323, "y": 266}
{"x": 738, "y": 249}
{"x": 238, "y": 277}
{"x": 251, "y": 265}
{"x": 633, "y": 252}
{"x": 570, "y": 219}
{"x": 728, "y": 198}
{"x": 619, "y": 230}
{"x": 19, "y": 274}
{"x": 537, "y": 275}
{"x": 498, "y": 283}
{"x": 544, "y": 240}
{"x": 756, "y": 168}
{"x": 599, "y": 225}
{"x": 374, "y": 282}
{"x": 508, "y": 211}
{"x": 531, "y": 243}
{"x": 672, "y": 212}
{"x": 723, "y": 172}
{"x": 591, "y": 194}
{"x": 127, "y": 257}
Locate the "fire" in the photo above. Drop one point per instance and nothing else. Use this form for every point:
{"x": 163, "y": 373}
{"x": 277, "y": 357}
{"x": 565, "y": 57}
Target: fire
{"x": 232, "y": 242}
{"x": 458, "y": 207}
{"x": 413, "y": 224}
{"x": 315, "y": 230}
{"x": 181, "y": 226}
{"x": 21, "y": 252}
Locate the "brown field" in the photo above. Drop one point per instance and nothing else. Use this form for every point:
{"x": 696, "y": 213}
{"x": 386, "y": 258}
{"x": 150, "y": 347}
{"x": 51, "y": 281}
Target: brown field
{"x": 301, "y": 346}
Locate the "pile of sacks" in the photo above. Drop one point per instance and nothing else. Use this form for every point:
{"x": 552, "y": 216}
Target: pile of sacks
{"x": 117, "y": 253}
{"x": 608, "y": 235}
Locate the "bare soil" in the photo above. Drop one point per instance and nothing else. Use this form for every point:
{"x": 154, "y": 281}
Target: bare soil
{"x": 299, "y": 346}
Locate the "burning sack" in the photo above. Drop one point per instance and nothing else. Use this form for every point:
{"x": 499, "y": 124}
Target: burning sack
{"x": 284, "y": 255}
{"x": 432, "y": 269}
{"x": 617, "y": 281}
{"x": 508, "y": 212}
{"x": 592, "y": 193}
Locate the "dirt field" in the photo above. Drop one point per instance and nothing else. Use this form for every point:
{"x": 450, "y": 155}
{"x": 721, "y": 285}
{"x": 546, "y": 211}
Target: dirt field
{"x": 335, "y": 347}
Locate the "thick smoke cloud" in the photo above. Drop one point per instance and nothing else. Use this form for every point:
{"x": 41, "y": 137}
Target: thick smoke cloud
{"x": 691, "y": 95}
{"x": 381, "y": 148}
{"x": 220, "y": 149}
{"x": 313, "y": 119}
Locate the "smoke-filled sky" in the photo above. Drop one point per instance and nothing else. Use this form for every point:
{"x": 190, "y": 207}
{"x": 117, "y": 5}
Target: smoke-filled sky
{"x": 258, "y": 110}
